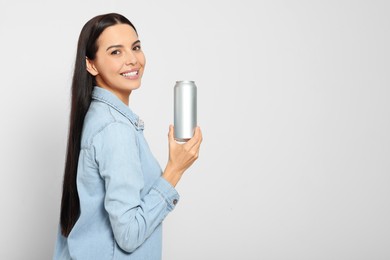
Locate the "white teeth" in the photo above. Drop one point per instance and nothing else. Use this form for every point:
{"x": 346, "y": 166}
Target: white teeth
{"x": 130, "y": 74}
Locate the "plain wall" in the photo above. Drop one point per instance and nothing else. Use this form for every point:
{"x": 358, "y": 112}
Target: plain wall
{"x": 293, "y": 103}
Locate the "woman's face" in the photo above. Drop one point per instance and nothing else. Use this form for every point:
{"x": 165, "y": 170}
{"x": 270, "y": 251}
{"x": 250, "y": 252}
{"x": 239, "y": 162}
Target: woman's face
{"x": 119, "y": 62}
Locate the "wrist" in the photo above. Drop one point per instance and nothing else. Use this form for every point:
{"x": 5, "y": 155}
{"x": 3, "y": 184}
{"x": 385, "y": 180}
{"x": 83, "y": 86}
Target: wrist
{"x": 171, "y": 175}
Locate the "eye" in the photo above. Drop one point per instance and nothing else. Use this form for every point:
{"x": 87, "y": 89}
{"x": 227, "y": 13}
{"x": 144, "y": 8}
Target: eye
{"x": 137, "y": 48}
{"x": 115, "y": 52}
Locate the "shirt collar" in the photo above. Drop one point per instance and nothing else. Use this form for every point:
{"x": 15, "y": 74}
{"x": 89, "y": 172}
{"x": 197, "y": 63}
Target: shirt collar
{"x": 113, "y": 101}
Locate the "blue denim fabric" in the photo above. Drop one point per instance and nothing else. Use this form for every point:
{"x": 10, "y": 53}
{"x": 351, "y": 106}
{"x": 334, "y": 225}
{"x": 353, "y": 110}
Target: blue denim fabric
{"x": 123, "y": 198}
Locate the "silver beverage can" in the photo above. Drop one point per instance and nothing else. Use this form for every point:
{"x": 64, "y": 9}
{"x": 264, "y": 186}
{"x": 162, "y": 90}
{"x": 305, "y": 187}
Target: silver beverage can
{"x": 185, "y": 110}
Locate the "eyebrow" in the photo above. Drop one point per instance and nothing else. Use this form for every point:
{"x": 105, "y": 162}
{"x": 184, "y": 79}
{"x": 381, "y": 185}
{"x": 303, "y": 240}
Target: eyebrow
{"x": 121, "y": 46}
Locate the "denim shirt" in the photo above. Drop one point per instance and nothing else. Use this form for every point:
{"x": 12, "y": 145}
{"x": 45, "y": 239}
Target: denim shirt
{"x": 123, "y": 198}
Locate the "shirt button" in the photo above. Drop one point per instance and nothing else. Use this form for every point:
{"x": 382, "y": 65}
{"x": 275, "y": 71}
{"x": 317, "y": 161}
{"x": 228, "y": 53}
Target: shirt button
{"x": 174, "y": 201}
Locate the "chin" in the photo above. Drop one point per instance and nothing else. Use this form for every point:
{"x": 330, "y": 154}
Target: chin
{"x": 135, "y": 86}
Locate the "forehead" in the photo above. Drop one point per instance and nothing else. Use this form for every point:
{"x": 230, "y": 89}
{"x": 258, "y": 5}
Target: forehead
{"x": 117, "y": 34}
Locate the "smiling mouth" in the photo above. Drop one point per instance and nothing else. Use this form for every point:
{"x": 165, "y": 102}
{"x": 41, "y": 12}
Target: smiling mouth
{"x": 130, "y": 74}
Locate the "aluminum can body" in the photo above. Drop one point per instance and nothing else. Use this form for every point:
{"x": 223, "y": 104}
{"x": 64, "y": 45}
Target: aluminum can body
{"x": 185, "y": 110}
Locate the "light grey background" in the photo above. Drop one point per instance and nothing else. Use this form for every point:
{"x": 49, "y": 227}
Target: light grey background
{"x": 293, "y": 103}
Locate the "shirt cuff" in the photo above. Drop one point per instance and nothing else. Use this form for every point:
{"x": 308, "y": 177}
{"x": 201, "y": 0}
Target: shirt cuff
{"x": 167, "y": 191}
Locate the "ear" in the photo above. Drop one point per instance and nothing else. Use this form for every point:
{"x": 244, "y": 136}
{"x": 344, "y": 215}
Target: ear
{"x": 91, "y": 67}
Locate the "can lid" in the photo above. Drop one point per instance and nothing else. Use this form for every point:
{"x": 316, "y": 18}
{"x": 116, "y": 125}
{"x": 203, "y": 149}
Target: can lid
{"x": 185, "y": 81}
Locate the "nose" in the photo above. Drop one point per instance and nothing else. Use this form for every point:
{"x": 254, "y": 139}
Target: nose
{"x": 131, "y": 59}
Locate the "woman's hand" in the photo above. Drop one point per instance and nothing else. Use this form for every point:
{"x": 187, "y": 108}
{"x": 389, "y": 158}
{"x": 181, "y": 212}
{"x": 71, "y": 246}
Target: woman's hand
{"x": 181, "y": 156}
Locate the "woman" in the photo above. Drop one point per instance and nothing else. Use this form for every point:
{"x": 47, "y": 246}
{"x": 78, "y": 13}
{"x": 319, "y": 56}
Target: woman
{"x": 115, "y": 195}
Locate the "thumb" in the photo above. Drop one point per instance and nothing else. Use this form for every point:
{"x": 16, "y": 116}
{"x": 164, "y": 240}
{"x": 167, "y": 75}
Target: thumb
{"x": 171, "y": 133}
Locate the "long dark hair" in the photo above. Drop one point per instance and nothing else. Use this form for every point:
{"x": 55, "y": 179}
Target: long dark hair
{"x": 82, "y": 86}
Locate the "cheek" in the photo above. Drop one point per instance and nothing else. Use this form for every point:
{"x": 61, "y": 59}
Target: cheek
{"x": 110, "y": 65}
{"x": 142, "y": 59}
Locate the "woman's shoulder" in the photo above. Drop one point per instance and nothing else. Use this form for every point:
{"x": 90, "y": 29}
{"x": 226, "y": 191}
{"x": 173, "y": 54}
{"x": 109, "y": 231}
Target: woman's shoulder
{"x": 99, "y": 119}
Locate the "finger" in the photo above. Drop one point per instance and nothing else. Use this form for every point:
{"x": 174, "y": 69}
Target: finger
{"x": 200, "y": 135}
{"x": 190, "y": 143}
{"x": 197, "y": 135}
{"x": 196, "y": 138}
{"x": 198, "y": 143}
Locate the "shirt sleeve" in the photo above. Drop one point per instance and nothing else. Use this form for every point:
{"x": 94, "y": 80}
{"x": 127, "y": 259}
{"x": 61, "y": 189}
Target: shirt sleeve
{"x": 133, "y": 219}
